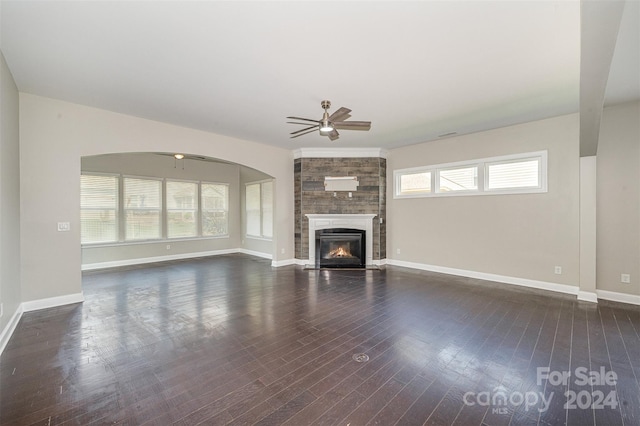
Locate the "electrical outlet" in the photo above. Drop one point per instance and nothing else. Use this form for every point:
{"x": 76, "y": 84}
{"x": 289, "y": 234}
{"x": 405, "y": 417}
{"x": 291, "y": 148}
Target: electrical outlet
{"x": 168, "y": 246}
{"x": 281, "y": 251}
{"x": 625, "y": 278}
{"x": 557, "y": 270}
{"x": 397, "y": 251}
{"x": 64, "y": 226}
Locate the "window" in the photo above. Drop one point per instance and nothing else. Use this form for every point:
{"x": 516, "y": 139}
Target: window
{"x": 117, "y": 209}
{"x": 259, "y": 209}
{"x": 182, "y": 209}
{"x": 98, "y": 208}
{"x": 142, "y": 208}
{"x": 215, "y": 209}
{"x": 512, "y": 174}
{"x": 460, "y": 179}
{"x": 415, "y": 183}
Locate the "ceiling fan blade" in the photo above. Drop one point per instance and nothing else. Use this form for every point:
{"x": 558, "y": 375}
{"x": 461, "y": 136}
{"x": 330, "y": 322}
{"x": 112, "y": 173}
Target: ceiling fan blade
{"x": 333, "y": 135}
{"x": 304, "y": 130}
{"x": 303, "y": 119}
{"x": 308, "y": 131}
{"x": 352, "y": 125}
{"x": 341, "y": 114}
{"x": 302, "y": 124}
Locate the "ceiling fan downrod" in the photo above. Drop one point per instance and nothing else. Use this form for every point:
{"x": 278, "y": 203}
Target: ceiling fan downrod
{"x": 325, "y": 125}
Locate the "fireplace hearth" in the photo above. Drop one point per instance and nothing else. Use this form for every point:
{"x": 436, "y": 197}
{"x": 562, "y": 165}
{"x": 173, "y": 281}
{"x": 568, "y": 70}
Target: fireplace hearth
{"x": 340, "y": 248}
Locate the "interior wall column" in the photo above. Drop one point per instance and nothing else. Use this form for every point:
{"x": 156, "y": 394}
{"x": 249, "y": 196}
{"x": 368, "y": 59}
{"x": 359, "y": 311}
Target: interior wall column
{"x": 587, "y": 291}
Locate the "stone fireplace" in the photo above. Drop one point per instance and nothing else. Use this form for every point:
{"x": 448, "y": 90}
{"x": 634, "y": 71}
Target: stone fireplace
{"x": 361, "y": 209}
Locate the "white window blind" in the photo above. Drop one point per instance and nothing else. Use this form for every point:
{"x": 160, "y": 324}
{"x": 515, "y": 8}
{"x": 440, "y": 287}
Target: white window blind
{"x": 267, "y": 209}
{"x": 215, "y": 209}
{"x": 142, "y": 208}
{"x": 98, "y": 209}
{"x": 259, "y": 209}
{"x": 253, "y": 210}
{"x": 182, "y": 209}
{"x": 513, "y": 174}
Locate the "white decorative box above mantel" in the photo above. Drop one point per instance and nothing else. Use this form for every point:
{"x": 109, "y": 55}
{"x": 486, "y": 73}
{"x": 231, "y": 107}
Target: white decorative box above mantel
{"x": 354, "y": 221}
{"x": 346, "y": 183}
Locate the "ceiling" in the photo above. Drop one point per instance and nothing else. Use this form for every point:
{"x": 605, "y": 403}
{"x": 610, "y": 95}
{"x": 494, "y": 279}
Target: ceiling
{"x": 417, "y": 70}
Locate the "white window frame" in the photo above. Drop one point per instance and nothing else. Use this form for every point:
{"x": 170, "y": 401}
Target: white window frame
{"x": 541, "y": 157}
{"x": 482, "y": 165}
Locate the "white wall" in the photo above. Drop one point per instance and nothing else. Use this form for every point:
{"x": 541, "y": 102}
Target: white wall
{"x": 163, "y": 166}
{"x": 10, "y": 293}
{"x": 618, "y": 203}
{"x": 522, "y": 236}
{"x": 55, "y": 135}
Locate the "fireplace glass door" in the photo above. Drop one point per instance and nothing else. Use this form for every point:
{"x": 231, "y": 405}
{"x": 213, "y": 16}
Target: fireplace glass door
{"x": 340, "y": 248}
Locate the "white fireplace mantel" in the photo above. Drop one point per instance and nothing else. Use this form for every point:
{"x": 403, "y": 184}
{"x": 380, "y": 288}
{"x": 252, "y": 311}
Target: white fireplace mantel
{"x": 363, "y": 222}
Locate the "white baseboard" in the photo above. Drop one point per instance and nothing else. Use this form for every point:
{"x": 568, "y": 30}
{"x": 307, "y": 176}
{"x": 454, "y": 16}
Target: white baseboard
{"x": 255, "y": 253}
{"x": 614, "y": 296}
{"x": 52, "y": 302}
{"x": 588, "y": 296}
{"x": 6, "y": 334}
{"x": 523, "y": 282}
{"x": 285, "y": 262}
{"x": 34, "y": 305}
{"x": 144, "y": 260}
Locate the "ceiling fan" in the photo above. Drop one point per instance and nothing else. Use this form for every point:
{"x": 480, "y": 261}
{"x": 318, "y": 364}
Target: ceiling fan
{"x": 329, "y": 124}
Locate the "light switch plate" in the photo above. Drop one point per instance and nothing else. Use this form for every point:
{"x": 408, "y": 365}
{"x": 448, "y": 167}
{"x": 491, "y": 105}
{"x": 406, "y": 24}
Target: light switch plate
{"x": 64, "y": 226}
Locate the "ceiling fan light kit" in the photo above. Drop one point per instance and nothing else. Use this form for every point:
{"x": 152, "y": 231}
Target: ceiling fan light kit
{"x": 328, "y": 124}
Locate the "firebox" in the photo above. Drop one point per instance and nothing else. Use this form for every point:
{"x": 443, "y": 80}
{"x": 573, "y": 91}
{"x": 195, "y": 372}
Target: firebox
{"x": 340, "y": 248}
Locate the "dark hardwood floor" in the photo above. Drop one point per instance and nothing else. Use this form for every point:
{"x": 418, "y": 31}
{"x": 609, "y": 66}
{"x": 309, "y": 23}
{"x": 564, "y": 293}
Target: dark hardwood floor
{"x": 230, "y": 340}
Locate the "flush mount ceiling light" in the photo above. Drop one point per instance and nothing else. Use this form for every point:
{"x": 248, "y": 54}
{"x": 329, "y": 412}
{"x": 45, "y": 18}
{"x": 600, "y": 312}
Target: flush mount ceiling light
{"x": 329, "y": 123}
{"x": 178, "y": 156}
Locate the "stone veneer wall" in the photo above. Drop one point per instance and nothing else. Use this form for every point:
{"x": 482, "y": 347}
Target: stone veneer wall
{"x": 310, "y": 196}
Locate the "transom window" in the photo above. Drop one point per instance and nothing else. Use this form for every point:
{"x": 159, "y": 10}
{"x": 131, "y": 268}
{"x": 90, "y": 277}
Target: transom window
{"x": 513, "y": 174}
